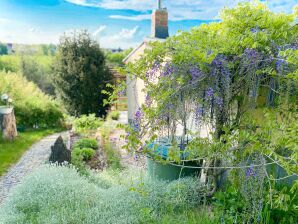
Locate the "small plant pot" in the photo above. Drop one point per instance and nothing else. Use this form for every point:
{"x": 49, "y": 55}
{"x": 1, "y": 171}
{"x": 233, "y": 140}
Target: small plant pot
{"x": 5, "y": 110}
{"x": 172, "y": 171}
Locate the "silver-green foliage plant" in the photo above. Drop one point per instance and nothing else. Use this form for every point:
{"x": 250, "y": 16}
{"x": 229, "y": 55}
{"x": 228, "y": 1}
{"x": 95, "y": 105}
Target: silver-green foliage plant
{"x": 58, "y": 194}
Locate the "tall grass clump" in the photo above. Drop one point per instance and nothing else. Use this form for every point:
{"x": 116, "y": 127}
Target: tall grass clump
{"x": 33, "y": 108}
{"x": 58, "y": 194}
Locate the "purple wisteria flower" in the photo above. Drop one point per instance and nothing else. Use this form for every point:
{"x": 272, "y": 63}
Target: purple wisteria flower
{"x": 168, "y": 70}
{"x": 148, "y": 100}
{"x": 251, "y": 54}
{"x": 209, "y": 93}
{"x": 280, "y": 65}
{"x": 195, "y": 72}
{"x": 136, "y": 124}
{"x": 199, "y": 113}
{"x": 220, "y": 66}
{"x": 151, "y": 73}
{"x": 138, "y": 114}
{"x": 219, "y": 102}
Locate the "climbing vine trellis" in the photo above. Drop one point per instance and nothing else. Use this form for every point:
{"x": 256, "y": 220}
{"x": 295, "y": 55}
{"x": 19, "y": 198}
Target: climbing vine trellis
{"x": 239, "y": 77}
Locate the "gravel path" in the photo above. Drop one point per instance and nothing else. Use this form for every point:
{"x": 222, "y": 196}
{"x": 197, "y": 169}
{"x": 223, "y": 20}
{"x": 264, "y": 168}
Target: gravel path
{"x": 37, "y": 155}
{"x": 127, "y": 159}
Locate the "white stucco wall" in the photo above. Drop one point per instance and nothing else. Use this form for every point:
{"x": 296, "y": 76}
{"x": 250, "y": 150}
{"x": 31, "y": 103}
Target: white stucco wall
{"x": 135, "y": 95}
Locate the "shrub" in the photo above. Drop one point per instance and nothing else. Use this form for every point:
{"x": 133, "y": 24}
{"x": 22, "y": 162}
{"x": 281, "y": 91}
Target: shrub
{"x": 85, "y": 153}
{"x": 86, "y": 143}
{"x": 57, "y": 194}
{"x": 86, "y": 123}
{"x": 32, "y": 107}
{"x": 80, "y": 59}
{"x": 114, "y": 115}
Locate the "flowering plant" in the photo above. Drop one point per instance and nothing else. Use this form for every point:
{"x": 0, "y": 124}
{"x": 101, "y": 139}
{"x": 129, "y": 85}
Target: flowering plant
{"x": 205, "y": 82}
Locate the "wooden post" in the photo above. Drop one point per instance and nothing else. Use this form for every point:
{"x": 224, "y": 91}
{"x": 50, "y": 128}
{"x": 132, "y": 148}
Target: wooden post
{"x": 8, "y": 126}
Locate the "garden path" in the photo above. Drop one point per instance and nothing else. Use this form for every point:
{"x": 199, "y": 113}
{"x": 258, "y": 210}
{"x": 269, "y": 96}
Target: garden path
{"x": 37, "y": 155}
{"x": 127, "y": 159}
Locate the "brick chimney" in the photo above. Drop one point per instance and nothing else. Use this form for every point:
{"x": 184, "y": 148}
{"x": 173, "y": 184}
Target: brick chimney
{"x": 160, "y": 28}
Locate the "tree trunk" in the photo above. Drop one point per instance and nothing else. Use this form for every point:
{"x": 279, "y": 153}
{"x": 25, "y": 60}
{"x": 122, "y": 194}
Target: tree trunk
{"x": 8, "y": 126}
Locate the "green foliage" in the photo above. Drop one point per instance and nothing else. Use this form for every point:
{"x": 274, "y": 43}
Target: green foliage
{"x": 238, "y": 77}
{"x": 86, "y": 143}
{"x": 113, "y": 156}
{"x": 197, "y": 216}
{"x": 116, "y": 58}
{"x": 114, "y": 115}
{"x": 32, "y": 107}
{"x": 229, "y": 205}
{"x": 38, "y": 69}
{"x": 9, "y": 63}
{"x": 81, "y": 74}
{"x": 86, "y": 123}
{"x": 60, "y": 195}
{"x": 85, "y": 154}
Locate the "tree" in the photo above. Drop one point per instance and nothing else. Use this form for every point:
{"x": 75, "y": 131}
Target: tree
{"x": 38, "y": 69}
{"x": 81, "y": 74}
{"x": 3, "y": 49}
{"x": 116, "y": 59}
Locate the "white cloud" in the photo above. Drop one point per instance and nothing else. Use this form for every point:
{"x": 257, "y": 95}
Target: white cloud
{"x": 126, "y": 34}
{"x": 124, "y": 38}
{"x": 99, "y": 30}
{"x": 134, "y": 18}
{"x": 179, "y": 9}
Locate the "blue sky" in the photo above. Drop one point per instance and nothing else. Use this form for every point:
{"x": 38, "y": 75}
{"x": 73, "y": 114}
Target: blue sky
{"x": 114, "y": 23}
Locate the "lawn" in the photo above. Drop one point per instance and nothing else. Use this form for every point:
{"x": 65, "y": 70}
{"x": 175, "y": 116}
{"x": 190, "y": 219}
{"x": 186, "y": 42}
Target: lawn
{"x": 11, "y": 152}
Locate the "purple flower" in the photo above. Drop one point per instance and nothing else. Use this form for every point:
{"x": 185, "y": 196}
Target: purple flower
{"x": 250, "y": 172}
{"x": 121, "y": 93}
{"x": 138, "y": 114}
{"x": 153, "y": 71}
{"x": 279, "y": 65}
{"x": 195, "y": 72}
{"x": 167, "y": 70}
{"x": 255, "y": 30}
{"x": 251, "y": 53}
{"x": 219, "y": 102}
{"x": 209, "y": 93}
{"x": 148, "y": 100}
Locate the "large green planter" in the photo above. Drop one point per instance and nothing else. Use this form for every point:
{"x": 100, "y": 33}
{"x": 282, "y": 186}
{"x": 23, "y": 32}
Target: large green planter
{"x": 170, "y": 172}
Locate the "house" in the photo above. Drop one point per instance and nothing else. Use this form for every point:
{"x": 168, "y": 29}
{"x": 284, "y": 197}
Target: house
{"x": 159, "y": 32}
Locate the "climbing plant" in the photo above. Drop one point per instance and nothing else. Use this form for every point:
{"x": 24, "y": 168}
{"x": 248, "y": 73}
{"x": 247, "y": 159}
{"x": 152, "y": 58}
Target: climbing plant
{"x": 232, "y": 88}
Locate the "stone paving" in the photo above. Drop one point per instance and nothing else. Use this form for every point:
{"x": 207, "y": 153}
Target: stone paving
{"x": 37, "y": 155}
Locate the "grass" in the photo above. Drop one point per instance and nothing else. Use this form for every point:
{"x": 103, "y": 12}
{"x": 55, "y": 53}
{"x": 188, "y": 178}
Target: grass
{"x": 191, "y": 216}
{"x": 11, "y": 152}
